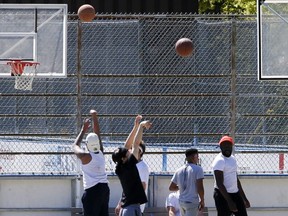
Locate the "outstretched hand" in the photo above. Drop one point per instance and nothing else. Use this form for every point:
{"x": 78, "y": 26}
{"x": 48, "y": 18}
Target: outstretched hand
{"x": 147, "y": 124}
{"x": 138, "y": 119}
{"x": 86, "y": 125}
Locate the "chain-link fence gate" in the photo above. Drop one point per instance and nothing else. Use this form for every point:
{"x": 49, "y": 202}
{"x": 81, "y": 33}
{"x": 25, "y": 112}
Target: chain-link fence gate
{"x": 124, "y": 65}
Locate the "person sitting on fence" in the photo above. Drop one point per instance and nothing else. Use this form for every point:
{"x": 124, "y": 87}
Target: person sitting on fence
{"x": 96, "y": 194}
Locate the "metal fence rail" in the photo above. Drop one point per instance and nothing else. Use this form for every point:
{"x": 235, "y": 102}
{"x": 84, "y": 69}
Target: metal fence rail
{"x": 123, "y": 65}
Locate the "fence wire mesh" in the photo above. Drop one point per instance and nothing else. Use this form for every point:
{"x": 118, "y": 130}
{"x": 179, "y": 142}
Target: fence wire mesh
{"x": 124, "y": 65}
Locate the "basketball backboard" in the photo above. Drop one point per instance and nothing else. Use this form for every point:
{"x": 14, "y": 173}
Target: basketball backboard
{"x": 34, "y": 32}
{"x": 272, "y": 22}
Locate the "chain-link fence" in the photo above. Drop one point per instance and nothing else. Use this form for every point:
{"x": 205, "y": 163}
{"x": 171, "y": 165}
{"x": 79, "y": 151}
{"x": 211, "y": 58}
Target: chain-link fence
{"x": 124, "y": 65}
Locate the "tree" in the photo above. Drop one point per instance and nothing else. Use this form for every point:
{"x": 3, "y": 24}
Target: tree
{"x": 227, "y": 7}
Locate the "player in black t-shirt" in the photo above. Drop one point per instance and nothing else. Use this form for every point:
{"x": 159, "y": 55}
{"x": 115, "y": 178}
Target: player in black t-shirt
{"x": 133, "y": 192}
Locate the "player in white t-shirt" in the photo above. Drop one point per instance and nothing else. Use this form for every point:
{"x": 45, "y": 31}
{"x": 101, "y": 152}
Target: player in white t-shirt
{"x": 96, "y": 194}
{"x": 172, "y": 204}
{"x": 143, "y": 170}
{"x": 228, "y": 193}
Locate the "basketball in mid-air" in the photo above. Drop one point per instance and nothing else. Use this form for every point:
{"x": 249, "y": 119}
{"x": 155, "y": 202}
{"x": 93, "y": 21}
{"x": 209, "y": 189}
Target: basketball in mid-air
{"x": 86, "y": 13}
{"x": 184, "y": 47}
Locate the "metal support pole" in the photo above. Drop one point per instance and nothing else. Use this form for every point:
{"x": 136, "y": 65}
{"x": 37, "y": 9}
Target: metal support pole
{"x": 233, "y": 80}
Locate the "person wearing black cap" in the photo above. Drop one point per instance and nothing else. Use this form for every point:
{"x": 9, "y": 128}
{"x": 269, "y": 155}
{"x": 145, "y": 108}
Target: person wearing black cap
{"x": 96, "y": 194}
{"x": 229, "y": 196}
{"x": 188, "y": 179}
{"x": 133, "y": 194}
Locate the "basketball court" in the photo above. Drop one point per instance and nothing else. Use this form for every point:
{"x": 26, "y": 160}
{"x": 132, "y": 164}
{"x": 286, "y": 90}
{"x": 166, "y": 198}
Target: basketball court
{"x": 135, "y": 61}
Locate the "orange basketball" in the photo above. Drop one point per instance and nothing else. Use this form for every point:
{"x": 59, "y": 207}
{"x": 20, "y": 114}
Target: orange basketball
{"x": 86, "y": 13}
{"x": 184, "y": 47}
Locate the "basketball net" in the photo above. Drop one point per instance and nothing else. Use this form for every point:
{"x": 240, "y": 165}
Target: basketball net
{"x": 24, "y": 73}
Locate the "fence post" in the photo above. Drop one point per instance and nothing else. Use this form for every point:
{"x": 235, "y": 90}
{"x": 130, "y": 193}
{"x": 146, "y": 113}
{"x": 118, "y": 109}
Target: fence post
{"x": 79, "y": 110}
{"x": 233, "y": 79}
{"x": 79, "y": 105}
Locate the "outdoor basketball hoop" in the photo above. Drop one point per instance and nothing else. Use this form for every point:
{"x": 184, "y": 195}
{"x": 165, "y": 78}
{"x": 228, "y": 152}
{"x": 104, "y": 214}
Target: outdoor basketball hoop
{"x": 24, "y": 72}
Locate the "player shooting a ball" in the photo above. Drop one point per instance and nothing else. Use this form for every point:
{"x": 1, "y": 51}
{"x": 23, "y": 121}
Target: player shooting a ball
{"x": 96, "y": 194}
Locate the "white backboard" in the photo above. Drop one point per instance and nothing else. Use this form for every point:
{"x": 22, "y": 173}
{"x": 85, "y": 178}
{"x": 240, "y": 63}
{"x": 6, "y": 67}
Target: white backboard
{"x": 34, "y": 32}
{"x": 272, "y": 22}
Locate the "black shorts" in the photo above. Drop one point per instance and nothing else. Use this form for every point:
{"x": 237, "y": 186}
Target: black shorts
{"x": 222, "y": 205}
{"x": 95, "y": 200}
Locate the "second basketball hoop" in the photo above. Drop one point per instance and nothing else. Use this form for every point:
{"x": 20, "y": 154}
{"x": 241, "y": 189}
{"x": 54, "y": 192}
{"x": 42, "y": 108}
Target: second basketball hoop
{"x": 24, "y": 73}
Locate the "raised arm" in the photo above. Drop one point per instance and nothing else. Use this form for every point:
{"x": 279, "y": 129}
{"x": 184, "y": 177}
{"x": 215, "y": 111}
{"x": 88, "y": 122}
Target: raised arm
{"x": 77, "y": 143}
{"x": 138, "y": 137}
{"x": 96, "y": 127}
{"x": 131, "y": 136}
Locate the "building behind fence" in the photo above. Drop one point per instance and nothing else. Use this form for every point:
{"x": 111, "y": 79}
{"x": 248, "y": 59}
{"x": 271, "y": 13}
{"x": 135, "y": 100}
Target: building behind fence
{"x": 124, "y": 65}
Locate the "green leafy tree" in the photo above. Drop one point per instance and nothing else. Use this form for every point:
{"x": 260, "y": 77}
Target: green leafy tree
{"x": 227, "y": 6}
